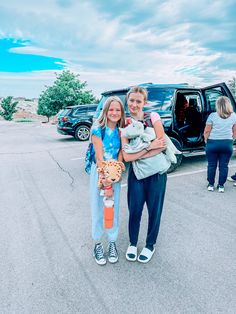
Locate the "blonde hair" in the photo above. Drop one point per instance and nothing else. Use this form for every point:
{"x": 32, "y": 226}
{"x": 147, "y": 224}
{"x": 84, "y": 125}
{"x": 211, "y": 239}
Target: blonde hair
{"x": 224, "y": 107}
{"x": 138, "y": 89}
{"x": 102, "y": 119}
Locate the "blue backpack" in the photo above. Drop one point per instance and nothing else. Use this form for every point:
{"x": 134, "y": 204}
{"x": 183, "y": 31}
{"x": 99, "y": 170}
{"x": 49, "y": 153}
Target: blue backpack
{"x": 90, "y": 154}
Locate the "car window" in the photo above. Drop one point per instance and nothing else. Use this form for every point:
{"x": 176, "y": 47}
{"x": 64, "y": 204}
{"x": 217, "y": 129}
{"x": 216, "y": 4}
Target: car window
{"x": 63, "y": 112}
{"x": 195, "y": 100}
{"x": 160, "y": 100}
{"x": 211, "y": 96}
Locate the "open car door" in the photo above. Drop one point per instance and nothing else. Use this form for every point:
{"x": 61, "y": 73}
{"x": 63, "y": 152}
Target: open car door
{"x": 211, "y": 93}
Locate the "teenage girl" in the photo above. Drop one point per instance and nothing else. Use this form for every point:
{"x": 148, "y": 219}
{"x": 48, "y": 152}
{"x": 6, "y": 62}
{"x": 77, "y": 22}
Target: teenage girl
{"x": 107, "y": 145}
{"x": 150, "y": 190}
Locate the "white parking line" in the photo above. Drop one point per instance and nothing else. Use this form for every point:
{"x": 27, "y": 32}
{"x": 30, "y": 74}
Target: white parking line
{"x": 79, "y": 158}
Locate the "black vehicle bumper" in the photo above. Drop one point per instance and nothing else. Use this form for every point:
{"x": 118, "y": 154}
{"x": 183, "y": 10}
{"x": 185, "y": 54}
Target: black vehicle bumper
{"x": 65, "y": 131}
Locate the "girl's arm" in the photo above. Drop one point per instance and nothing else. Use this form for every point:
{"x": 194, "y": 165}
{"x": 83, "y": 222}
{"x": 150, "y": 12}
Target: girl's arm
{"x": 207, "y": 131}
{"x": 98, "y": 147}
{"x": 120, "y": 156}
{"x": 159, "y": 142}
{"x": 130, "y": 157}
{"x": 234, "y": 131}
{"x": 145, "y": 153}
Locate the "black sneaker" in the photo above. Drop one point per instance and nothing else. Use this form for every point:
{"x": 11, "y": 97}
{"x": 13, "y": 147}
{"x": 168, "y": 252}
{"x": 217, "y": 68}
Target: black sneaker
{"x": 112, "y": 253}
{"x": 98, "y": 253}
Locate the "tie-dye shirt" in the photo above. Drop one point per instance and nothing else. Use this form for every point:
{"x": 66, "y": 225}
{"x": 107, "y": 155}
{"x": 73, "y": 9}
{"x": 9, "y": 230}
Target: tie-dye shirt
{"x": 111, "y": 141}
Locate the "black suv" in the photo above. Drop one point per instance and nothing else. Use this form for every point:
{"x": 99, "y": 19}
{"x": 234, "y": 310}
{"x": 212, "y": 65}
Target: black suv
{"x": 76, "y": 121}
{"x": 186, "y": 126}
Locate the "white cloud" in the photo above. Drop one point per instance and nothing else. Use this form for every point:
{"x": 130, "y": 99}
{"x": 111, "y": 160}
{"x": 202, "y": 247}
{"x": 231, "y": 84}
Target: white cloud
{"x": 178, "y": 41}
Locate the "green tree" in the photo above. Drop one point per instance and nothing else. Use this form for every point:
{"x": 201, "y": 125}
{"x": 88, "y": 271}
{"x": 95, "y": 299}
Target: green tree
{"x": 9, "y": 108}
{"x": 67, "y": 90}
{"x": 232, "y": 86}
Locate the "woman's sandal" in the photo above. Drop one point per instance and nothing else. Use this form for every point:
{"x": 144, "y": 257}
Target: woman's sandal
{"x": 145, "y": 255}
{"x": 131, "y": 253}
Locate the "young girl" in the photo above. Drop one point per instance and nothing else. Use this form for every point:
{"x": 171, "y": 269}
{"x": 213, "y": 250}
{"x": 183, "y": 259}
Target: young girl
{"x": 150, "y": 190}
{"x": 107, "y": 145}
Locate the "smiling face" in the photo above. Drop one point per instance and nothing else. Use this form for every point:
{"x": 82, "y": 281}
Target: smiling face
{"x": 136, "y": 103}
{"x": 114, "y": 112}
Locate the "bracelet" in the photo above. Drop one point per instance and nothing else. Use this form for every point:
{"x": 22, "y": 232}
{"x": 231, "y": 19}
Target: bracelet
{"x": 109, "y": 187}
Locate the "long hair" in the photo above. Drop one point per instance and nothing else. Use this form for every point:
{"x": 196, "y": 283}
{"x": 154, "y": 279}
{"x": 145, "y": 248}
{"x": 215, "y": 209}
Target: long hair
{"x": 224, "y": 107}
{"x": 140, "y": 90}
{"x": 102, "y": 119}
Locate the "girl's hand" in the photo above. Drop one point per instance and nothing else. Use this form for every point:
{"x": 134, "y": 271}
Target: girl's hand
{"x": 105, "y": 182}
{"x": 157, "y": 144}
{"x": 108, "y": 193}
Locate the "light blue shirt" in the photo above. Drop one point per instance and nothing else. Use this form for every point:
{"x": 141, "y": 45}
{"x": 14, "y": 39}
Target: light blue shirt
{"x": 221, "y": 128}
{"x": 111, "y": 141}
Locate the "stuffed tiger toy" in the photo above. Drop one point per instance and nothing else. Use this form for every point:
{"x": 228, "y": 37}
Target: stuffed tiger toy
{"x": 111, "y": 170}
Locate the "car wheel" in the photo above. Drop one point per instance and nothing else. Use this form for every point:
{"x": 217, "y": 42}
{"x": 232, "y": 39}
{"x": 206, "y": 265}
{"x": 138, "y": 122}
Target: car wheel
{"x": 179, "y": 157}
{"x": 82, "y": 133}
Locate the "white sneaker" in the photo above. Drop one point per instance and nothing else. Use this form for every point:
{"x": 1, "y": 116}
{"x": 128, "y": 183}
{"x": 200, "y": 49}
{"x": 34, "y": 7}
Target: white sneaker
{"x": 230, "y": 179}
{"x": 210, "y": 188}
{"x": 221, "y": 189}
{"x": 235, "y": 184}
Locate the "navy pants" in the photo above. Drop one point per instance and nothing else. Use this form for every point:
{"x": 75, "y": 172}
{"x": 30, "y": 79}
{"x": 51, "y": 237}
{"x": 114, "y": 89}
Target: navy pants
{"x": 152, "y": 191}
{"x": 218, "y": 153}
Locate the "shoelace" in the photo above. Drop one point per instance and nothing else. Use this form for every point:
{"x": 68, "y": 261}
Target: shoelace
{"x": 99, "y": 252}
{"x": 112, "y": 249}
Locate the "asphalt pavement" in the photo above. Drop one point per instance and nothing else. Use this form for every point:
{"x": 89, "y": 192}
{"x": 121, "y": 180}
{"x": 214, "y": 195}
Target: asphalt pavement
{"x": 46, "y": 263}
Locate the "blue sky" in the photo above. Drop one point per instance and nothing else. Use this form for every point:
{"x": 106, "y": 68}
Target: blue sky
{"x": 114, "y": 44}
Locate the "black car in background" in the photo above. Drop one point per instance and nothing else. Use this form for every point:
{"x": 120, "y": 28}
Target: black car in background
{"x": 187, "y": 135}
{"x": 76, "y": 121}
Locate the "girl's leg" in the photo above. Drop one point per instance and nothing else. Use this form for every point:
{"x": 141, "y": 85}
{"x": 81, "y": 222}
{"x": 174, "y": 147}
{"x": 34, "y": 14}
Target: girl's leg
{"x": 212, "y": 158}
{"x": 113, "y": 232}
{"x": 224, "y": 158}
{"x": 155, "y": 194}
{"x": 136, "y": 200}
{"x": 96, "y": 206}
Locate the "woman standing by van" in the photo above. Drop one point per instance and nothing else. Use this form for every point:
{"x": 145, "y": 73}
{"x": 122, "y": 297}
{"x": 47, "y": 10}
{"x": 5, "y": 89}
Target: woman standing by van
{"x": 219, "y": 133}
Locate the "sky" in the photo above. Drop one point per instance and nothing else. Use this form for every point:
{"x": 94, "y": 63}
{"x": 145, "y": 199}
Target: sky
{"x": 115, "y": 44}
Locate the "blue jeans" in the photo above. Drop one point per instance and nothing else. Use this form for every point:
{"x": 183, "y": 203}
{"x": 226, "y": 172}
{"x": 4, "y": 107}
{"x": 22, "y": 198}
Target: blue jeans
{"x": 152, "y": 191}
{"x": 218, "y": 153}
{"x": 97, "y": 206}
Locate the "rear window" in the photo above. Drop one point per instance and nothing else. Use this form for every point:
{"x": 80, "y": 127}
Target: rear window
{"x": 63, "y": 112}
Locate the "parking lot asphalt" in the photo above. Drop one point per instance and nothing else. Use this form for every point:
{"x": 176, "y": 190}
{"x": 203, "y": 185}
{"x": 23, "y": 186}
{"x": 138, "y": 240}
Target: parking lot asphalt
{"x": 45, "y": 236}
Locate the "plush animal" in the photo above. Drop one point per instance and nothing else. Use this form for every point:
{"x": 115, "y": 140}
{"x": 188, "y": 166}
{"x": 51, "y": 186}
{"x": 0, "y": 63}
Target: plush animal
{"x": 111, "y": 170}
{"x": 140, "y": 138}
{"x": 136, "y": 131}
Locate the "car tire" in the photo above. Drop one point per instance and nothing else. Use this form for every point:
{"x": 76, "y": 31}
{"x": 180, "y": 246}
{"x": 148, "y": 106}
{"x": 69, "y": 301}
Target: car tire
{"x": 82, "y": 132}
{"x": 179, "y": 157}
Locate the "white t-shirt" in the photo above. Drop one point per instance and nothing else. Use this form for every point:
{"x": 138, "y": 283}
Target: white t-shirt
{"x": 221, "y": 128}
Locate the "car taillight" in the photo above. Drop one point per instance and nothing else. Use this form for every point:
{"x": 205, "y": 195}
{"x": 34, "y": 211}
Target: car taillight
{"x": 64, "y": 119}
